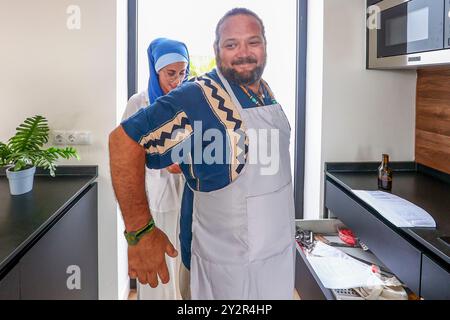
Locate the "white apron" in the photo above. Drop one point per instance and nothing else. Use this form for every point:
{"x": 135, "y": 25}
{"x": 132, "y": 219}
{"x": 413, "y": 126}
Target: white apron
{"x": 164, "y": 192}
{"x": 243, "y": 234}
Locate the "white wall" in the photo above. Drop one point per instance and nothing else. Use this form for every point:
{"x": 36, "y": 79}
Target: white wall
{"x": 122, "y": 98}
{"x": 364, "y": 112}
{"x": 70, "y": 78}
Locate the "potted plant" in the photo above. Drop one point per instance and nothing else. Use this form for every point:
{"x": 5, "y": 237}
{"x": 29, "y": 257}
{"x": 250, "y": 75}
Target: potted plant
{"x": 24, "y": 152}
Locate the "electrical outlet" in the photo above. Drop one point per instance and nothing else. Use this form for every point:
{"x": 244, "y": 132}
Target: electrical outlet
{"x": 58, "y": 137}
{"x": 61, "y": 137}
{"x": 82, "y": 137}
{"x": 71, "y": 137}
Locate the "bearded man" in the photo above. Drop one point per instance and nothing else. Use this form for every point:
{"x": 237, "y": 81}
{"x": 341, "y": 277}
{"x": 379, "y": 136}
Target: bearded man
{"x": 242, "y": 215}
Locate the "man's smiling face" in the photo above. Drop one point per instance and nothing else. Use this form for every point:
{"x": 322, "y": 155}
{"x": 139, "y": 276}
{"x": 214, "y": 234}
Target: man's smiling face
{"x": 241, "y": 51}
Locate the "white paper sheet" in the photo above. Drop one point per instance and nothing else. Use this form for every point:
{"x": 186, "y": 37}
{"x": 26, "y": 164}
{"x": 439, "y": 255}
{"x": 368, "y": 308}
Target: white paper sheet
{"x": 396, "y": 210}
{"x": 337, "y": 270}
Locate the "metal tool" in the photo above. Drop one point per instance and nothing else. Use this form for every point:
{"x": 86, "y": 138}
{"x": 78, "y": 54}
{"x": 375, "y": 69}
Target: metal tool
{"x": 305, "y": 238}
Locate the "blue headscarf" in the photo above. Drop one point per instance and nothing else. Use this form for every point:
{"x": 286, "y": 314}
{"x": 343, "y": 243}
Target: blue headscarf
{"x": 162, "y": 52}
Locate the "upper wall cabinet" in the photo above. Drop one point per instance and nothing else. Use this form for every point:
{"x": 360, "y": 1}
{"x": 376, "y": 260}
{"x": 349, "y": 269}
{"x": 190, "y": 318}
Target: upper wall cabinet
{"x": 408, "y": 33}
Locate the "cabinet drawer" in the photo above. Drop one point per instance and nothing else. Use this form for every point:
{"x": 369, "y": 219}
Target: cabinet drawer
{"x": 307, "y": 282}
{"x": 63, "y": 263}
{"x": 403, "y": 259}
{"x": 435, "y": 281}
{"x": 10, "y": 285}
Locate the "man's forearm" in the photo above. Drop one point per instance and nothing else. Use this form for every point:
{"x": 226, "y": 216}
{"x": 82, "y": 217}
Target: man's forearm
{"x": 127, "y": 162}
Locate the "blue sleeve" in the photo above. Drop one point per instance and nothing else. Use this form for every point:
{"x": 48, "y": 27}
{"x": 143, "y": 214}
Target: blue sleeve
{"x": 153, "y": 128}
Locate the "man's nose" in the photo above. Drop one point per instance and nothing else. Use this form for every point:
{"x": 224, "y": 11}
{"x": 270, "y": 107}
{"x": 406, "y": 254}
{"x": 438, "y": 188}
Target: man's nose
{"x": 243, "y": 50}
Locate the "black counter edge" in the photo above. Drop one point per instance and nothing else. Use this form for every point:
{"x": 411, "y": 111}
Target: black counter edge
{"x": 401, "y": 166}
{"x": 444, "y": 177}
{"x": 11, "y": 261}
{"x": 400, "y": 231}
{"x": 368, "y": 166}
{"x": 65, "y": 170}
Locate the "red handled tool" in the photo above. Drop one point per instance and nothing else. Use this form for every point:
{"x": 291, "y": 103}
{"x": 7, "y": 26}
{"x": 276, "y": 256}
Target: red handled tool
{"x": 348, "y": 237}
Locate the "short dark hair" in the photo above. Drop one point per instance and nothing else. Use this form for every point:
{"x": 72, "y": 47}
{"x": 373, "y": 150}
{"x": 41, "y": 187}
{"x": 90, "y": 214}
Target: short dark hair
{"x": 235, "y": 12}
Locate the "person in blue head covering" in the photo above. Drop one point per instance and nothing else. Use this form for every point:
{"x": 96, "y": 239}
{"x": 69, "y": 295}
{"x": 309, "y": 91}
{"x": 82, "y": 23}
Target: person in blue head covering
{"x": 168, "y": 68}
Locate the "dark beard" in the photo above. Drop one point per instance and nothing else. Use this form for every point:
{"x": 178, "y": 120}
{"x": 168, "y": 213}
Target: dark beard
{"x": 238, "y": 78}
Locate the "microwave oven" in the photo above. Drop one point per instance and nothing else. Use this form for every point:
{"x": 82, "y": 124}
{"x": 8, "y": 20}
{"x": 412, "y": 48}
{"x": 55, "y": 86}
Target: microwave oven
{"x": 408, "y": 34}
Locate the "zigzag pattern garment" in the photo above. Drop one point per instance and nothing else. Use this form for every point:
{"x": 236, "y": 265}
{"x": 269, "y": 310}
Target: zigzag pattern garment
{"x": 225, "y": 111}
{"x": 177, "y": 122}
{"x": 202, "y": 99}
{"x": 161, "y": 140}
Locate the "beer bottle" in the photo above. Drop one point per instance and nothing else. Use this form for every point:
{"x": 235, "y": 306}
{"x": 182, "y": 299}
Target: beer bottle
{"x": 385, "y": 174}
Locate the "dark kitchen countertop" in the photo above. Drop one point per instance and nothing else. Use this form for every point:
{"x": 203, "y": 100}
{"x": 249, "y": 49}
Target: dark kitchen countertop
{"x": 25, "y": 218}
{"x": 417, "y": 184}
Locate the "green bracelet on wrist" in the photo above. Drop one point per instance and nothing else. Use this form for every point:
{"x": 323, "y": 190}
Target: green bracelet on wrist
{"x": 133, "y": 237}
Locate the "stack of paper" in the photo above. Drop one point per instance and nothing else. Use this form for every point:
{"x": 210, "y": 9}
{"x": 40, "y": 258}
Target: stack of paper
{"x": 337, "y": 270}
{"x": 396, "y": 210}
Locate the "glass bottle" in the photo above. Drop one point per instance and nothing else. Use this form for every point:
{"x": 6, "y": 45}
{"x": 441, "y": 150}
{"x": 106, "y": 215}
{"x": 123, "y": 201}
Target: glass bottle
{"x": 385, "y": 174}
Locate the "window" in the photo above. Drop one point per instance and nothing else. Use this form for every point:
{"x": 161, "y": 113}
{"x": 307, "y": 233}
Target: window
{"x": 194, "y": 22}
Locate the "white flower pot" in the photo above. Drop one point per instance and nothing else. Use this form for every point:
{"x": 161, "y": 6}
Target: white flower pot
{"x": 20, "y": 182}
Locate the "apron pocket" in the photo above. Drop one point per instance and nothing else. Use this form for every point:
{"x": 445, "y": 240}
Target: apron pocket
{"x": 270, "y": 223}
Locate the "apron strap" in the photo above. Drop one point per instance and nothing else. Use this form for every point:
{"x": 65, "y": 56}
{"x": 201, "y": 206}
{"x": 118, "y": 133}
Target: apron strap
{"x": 229, "y": 90}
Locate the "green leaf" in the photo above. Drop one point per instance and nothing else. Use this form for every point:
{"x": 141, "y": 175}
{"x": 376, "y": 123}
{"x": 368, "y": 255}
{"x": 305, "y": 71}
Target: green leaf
{"x": 4, "y": 154}
{"x": 25, "y": 148}
{"x": 31, "y": 135}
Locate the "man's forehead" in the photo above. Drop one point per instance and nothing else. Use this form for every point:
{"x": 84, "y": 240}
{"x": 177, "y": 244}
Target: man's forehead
{"x": 240, "y": 26}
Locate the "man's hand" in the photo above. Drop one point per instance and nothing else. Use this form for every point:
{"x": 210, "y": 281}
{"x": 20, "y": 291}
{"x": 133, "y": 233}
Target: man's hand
{"x": 147, "y": 259}
{"x": 174, "y": 169}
